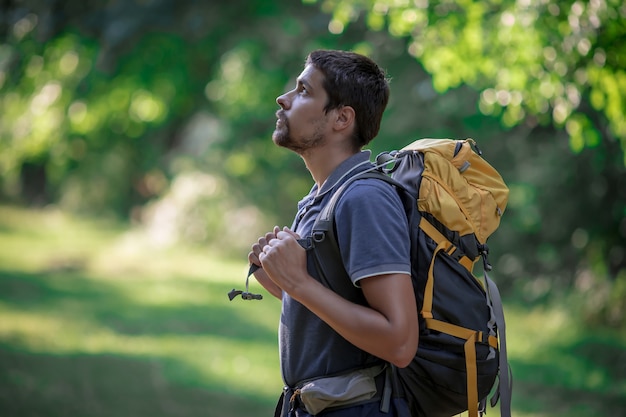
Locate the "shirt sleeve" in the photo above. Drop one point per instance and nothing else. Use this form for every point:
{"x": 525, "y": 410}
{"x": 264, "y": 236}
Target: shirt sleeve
{"x": 372, "y": 230}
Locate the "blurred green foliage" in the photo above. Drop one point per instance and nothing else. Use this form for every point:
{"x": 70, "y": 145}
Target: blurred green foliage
{"x": 161, "y": 113}
{"x": 560, "y": 62}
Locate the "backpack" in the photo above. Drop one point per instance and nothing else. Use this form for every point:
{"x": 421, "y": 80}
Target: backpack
{"x": 454, "y": 201}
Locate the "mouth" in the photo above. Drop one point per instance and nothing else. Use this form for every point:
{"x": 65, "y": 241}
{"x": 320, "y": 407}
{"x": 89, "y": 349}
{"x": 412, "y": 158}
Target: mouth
{"x": 280, "y": 115}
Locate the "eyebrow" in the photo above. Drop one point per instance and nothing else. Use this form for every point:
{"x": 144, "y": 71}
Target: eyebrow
{"x": 305, "y": 83}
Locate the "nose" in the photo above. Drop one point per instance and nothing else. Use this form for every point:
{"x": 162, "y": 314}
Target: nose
{"x": 283, "y": 100}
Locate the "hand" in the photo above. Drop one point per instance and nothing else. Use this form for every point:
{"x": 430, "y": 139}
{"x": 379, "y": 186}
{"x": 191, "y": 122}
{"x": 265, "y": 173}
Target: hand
{"x": 260, "y": 275}
{"x": 257, "y": 248}
{"x": 284, "y": 260}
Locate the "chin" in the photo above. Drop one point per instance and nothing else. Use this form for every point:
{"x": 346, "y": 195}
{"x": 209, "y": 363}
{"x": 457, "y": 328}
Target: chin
{"x": 281, "y": 139}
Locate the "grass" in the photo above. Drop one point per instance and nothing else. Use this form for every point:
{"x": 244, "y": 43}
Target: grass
{"x": 96, "y": 321}
{"x": 560, "y": 367}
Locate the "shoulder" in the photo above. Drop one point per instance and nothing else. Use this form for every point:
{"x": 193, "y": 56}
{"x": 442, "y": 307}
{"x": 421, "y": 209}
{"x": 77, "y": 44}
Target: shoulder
{"x": 369, "y": 191}
{"x": 370, "y": 200}
{"x": 372, "y": 230}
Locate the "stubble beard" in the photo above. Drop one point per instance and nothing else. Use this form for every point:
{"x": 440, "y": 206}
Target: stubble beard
{"x": 282, "y": 137}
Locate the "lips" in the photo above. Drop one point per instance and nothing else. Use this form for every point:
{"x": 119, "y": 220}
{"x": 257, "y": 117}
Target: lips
{"x": 281, "y": 119}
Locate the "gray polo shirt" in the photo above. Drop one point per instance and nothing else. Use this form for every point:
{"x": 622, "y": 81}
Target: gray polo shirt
{"x": 373, "y": 237}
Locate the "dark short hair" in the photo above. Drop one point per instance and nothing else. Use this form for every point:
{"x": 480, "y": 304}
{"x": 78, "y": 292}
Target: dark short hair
{"x": 354, "y": 80}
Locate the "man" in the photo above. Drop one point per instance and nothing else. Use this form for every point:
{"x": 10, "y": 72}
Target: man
{"x": 334, "y": 110}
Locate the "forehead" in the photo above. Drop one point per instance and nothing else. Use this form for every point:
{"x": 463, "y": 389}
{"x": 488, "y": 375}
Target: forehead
{"x": 312, "y": 77}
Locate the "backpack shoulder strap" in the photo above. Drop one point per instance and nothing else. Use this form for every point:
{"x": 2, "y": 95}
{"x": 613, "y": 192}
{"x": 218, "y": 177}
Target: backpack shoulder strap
{"x": 327, "y": 214}
{"x": 323, "y": 239}
{"x": 505, "y": 383}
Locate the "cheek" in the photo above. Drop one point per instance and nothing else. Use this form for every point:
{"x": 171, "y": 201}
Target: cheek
{"x": 306, "y": 117}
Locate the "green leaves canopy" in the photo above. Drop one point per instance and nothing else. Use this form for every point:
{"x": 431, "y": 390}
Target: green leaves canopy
{"x": 560, "y": 62}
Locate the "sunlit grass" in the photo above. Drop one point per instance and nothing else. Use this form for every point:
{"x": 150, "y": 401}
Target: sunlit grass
{"x": 69, "y": 289}
{"x": 558, "y": 333}
{"x": 222, "y": 356}
{"x": 212, "y": 357}
{"x": 562, "y": 367}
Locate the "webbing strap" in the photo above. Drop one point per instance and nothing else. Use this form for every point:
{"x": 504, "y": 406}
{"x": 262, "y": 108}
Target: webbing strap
{"x": 442, "y": 244}
{"x": 472, "y": 376}
{"x": 461, "y": 332}
{"x": 427, "y": 306}
{"x": 471, "y": 338}
{"x": 439, "y": 238}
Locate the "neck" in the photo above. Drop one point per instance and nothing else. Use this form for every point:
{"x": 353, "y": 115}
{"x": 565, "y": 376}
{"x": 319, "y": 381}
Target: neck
{"x": 322, "y": 161}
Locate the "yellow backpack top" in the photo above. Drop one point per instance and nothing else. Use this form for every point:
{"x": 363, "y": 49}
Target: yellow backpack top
{"x": 462, "y": 199}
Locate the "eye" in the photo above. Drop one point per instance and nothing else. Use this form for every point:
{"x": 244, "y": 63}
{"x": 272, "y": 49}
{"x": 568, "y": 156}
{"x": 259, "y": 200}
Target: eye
{"x": 301, "y": 88}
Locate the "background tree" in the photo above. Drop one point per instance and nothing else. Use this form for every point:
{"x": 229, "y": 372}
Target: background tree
{"x": 560, "y": 62}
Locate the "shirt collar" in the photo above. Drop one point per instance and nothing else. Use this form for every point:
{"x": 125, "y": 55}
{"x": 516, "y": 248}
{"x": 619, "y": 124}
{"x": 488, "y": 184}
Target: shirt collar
{"x": 356, "y": 163}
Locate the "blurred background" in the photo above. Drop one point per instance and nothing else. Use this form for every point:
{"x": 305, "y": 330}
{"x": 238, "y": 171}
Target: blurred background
{"x": 137, "y": 167}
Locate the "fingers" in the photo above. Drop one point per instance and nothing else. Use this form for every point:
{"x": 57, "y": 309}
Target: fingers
{"x": 257, "y": 248}
{"x": 289, "y": 232}
{"x": 253, "y": 258}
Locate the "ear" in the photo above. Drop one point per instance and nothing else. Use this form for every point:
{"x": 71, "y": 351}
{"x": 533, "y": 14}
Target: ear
{"x": 344, "y": 118}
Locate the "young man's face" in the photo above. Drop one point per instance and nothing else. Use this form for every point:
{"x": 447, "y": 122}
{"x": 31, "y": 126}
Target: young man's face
{"x": 302, "y": 123}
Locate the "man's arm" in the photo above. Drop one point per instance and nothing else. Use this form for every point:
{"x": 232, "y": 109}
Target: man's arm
{"x": 387, "y": 328}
